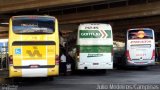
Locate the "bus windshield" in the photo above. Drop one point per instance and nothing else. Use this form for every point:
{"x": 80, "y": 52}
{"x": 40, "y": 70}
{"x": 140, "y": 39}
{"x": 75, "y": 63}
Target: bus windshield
{"x": 33, "y": 25}
{"x": 140, "y": 34}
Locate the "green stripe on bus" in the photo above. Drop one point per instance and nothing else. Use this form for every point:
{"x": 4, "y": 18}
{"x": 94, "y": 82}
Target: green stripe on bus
{"x": 96, "y": 49}
{"x": 95, "y": 34}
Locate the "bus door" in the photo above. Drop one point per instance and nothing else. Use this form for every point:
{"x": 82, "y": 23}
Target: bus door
{"x": 4, "y": 60}
{"x": 3, "y": 55}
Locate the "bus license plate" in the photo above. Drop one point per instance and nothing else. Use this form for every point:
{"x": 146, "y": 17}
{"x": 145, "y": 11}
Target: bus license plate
{"x": 34, "y": 66}
{"x": 95, "y": 63}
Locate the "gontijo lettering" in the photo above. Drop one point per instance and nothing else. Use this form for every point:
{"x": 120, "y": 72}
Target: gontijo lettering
{"x": 90, "y": 34}
{"x": 95, "y": 34}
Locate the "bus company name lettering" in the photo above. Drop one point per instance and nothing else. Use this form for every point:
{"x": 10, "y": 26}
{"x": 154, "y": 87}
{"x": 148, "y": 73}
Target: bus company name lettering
{"x": 95, "y": 55}
{"x": 132, "y": 42}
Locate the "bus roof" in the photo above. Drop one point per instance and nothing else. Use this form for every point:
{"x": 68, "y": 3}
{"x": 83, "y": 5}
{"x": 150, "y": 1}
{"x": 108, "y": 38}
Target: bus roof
{"x": 81, "y": 26}
{"x": 33, "y": 16}
{"x": 140, "y": 29}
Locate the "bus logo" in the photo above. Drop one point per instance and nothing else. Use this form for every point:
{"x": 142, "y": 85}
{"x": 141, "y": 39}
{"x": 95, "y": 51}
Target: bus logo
{"x": 17, "y": 51}
{"x": 140, "y": 34}
{"x": 34, "y": 53}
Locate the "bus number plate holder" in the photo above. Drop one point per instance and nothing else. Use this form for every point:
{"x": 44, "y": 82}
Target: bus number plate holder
{"x": 95, "y": 63}
{"x": 34, "y": 66}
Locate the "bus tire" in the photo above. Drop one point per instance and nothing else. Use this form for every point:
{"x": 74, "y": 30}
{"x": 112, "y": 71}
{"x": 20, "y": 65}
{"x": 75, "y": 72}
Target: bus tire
{"x": 50, "y": 78}
{"x": 143, "y": 67}
{"x": 103, "y": 71}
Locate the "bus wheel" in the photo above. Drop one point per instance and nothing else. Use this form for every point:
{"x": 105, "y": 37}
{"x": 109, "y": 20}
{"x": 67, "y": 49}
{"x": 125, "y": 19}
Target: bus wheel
{"x": 103, "y": 71}
{"x": 143, "y": 67}
{"x": 13, "y": 80}
{"x": 50, "y": 78}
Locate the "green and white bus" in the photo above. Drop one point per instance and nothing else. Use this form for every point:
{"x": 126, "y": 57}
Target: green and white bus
{"x": 94, "y": 47}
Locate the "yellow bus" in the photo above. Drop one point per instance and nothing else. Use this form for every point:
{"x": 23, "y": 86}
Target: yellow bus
{"x": 33, "y": 46}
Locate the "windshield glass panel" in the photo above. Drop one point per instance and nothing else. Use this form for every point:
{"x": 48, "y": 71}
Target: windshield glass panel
{"x": 140, "y": 34}
{"x": 33, "y": 26}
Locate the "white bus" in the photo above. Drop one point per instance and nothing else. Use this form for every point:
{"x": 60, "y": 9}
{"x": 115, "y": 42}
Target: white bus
{"x": 94, "y": 47}
{"x": 140, "y": 47}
